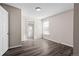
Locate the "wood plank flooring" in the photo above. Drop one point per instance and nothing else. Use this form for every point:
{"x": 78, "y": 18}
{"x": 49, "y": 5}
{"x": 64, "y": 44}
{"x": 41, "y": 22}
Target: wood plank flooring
{"x": 41, "y": 47}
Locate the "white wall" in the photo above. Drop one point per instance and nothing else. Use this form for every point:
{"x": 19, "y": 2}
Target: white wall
{"x": 61, "y": 28}
{"x": 38, "y": 29}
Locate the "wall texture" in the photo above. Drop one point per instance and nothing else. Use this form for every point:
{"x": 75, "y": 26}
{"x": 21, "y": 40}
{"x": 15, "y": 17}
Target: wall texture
{"x": 14, "y": 25}
{"x": 61, "y": 28}
{"x": 76, "y": 30}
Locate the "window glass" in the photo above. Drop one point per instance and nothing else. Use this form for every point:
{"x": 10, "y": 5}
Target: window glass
{"x": 46, "y": 27}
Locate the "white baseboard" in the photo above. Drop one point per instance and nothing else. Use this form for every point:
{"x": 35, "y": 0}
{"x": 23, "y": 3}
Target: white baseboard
{"x": 15, "y": 46}
{"x": 61, "y": 43}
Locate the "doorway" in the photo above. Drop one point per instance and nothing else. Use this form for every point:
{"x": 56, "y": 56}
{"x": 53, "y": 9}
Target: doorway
{"x": 29, "y": 30}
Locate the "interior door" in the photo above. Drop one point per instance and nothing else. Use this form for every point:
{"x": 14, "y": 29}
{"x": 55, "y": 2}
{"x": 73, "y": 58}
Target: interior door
{"x": 0, "y": 33}
{"x": 3, "y": 30}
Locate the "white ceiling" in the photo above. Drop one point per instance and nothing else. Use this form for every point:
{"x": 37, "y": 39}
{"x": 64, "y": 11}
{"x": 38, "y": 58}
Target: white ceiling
{"x": 47, "y": 9}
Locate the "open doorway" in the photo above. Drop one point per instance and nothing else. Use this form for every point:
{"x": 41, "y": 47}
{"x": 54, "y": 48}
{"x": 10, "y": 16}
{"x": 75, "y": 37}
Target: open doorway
{"x": 29, "y": 30}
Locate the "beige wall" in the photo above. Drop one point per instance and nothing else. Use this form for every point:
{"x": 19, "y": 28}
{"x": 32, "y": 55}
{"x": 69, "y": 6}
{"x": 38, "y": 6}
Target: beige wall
{"x": 14, "y": 25}
{"x": 61, "y": 28}
{"x": 76, "y": 30}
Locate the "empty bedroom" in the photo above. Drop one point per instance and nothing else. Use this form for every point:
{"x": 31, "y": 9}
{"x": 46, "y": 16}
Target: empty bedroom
{"x": 36, "y": 29}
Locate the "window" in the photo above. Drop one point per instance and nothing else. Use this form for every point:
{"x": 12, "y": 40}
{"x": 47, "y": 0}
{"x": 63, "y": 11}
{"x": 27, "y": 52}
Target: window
{"x": 46, "y": 27}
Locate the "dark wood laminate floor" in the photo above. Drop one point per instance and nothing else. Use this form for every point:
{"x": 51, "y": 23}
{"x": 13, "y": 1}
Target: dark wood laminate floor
{"x": 40, "y": 47}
